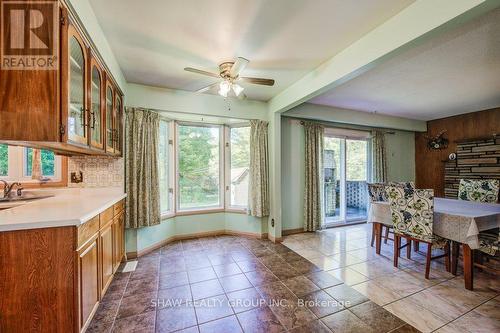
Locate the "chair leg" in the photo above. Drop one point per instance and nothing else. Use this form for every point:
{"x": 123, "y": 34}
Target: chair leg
{"x": 378, "y": 237}
{"x": 386, "y": 234}
{"x": 397, "y": 241}
{"x": 455, "y": 248}
{"x": 416, "y": 246}
{"x": 428, "y": 261}
{"x": 373, "y": 234}
{"x": 408, "y": 248}
{"x": 447, "y": 259}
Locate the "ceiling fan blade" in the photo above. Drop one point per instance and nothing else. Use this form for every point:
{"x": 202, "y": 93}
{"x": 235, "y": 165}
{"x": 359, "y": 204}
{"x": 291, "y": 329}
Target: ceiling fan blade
{"x": 238, "y": 66}
{"x": 257, "y": 80}
{"x": 207, "y": 88}
{"x": 199, "y": 71}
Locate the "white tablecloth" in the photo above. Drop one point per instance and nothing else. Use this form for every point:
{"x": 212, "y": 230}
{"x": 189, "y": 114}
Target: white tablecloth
{"x": 456, "y": 220}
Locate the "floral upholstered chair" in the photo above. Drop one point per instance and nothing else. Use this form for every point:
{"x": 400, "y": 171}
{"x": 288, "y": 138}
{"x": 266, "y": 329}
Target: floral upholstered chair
{"x": 479, "y": 190}
{"x": 483, "y": 190}
{"x": 376, "y": 192}
{"x": 412, "y": 212}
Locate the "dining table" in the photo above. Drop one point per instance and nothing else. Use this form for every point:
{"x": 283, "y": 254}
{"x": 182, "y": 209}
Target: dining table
{"x": 456, "y": 220}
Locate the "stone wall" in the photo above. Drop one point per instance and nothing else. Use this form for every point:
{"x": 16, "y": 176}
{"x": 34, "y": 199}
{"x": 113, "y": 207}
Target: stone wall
{"x": 477, "y": 159}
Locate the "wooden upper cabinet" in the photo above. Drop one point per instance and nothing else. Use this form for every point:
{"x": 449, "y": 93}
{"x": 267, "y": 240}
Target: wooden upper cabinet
{"x": 118, "y": 142}
{"x": 96, "y": 94}
{"x": 109, "y": 117}
{"x": 70, "y": 109}
{"x": 77, "y": 88}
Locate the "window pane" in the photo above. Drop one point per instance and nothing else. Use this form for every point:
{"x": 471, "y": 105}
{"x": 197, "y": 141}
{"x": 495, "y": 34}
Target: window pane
{"x": 240, "y": 163}
{"x": 163, "y": 166}
{"x": 48, "y": 162}
{"x": 356, "y": 161}
{"x": 4, "y": 160}
{"x": 198, "y": 166}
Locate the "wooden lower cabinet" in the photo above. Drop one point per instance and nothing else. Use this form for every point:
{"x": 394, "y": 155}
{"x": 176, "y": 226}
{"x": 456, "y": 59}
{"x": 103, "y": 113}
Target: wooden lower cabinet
{"x": 119, "y": 234}
{"x": 88, "y": 279}
{"x": 52, "y": 279}
{"x": 107, "y": 243}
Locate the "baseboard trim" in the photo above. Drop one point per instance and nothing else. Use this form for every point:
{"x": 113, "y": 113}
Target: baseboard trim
{"x": 149, "y": 249}
{"x": 275, "y": 239}
{"x": 288, "y": 232}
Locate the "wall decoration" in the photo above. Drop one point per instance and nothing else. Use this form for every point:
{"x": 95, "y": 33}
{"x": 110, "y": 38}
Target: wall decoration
{"x": 437, "y": 142}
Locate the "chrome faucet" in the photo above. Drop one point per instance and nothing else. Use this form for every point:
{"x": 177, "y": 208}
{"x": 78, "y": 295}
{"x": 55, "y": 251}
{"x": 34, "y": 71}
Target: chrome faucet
{"x": 8, "y": 188}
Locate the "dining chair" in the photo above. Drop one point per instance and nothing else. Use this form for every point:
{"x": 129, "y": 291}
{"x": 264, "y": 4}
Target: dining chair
{"x": 412, "y": 212}
{"x": 479, "y": 190}
{"x": 376, "y": 192}
{"x": 485, "y": 191}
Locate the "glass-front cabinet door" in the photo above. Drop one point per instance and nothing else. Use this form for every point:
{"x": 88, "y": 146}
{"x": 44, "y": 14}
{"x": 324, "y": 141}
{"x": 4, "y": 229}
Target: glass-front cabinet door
{"x": 118, "y": 125}
{"x": 96, "y": 128}
{"x": 77, "y": 112}
{"x": 109, "y": 118}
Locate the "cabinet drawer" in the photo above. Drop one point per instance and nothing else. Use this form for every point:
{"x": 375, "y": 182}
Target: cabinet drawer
{"x": 106, "y": 216}
{"x": 119, "y": 206}
{"x": 87, "y": 230}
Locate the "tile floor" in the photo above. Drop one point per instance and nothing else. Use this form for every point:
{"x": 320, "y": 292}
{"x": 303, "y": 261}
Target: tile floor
{"x": 313, "y": 282}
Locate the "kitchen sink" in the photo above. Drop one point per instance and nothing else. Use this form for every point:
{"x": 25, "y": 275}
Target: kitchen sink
{"x": 24, "y": 197}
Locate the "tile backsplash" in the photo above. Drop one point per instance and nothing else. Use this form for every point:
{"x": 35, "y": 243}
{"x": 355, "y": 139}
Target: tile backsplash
{"x": 98, "y": 171}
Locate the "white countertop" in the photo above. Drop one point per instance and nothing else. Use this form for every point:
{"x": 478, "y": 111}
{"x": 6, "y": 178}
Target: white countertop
{"x": 68, "y": 206}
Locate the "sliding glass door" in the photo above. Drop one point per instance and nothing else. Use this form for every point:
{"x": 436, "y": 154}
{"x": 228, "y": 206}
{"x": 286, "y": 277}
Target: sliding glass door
{"x": 346, "y": 172}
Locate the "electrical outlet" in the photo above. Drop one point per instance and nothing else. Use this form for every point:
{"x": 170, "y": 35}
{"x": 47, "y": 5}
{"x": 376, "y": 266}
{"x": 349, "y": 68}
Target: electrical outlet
{"x": 77, "y": 177}
{"x": 272, "y": 223}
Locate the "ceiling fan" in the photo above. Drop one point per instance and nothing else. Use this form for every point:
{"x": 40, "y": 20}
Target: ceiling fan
{"x": 229, "y": 72}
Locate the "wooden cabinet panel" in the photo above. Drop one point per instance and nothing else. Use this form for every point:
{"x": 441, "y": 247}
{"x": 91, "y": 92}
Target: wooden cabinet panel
{"x": 29, "y": 99}
{"x": 37, "y": 279}
{"x": 119, "y": 243}
{"x": 87, "y": 230}
{"x": 106, "y": 256}
{"x": 106, "y": 216}
{"x": 88, "y": 286}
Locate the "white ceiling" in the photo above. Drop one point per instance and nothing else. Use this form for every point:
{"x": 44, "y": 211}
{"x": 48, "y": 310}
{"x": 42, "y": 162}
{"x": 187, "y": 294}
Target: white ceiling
{"x": 284, "y": 39}
{"x": 454, "y": 73}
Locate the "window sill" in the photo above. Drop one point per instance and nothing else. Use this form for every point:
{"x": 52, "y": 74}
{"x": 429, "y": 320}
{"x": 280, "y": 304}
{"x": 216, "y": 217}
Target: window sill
{"x": 169, "y": 215}
{"x": 237, "y": 211}
{"x": 200, "y": 211}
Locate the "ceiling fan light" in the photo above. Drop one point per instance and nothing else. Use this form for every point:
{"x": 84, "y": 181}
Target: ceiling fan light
{"x": 223, "y": 93}
{"x": 224, "y": 88}
{"x": 237, "y": 89}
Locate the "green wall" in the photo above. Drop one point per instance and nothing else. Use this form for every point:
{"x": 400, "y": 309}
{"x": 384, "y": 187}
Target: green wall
{"x": 400, "y": 165}
{"x": 142, "y": 238}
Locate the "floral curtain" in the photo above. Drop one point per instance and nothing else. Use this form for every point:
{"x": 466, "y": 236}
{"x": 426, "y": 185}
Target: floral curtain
{"x": 258, "y": 198}
{"x": 313, "y": 195}
{"x": 379, "y": 157}
{"x": 141, "y": 168}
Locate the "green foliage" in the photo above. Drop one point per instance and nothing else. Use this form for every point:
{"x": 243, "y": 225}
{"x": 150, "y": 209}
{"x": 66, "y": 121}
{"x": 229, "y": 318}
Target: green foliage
{"x": 356, "y": 157}
{"x": 4, "y": 160}
{"x": 198, "y": 166}
{"x": 47, "y": 158}
{"x": 240, "y": 143}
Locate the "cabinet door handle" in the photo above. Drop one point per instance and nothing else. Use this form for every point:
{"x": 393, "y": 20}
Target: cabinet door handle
{"x": 92, "y": 114}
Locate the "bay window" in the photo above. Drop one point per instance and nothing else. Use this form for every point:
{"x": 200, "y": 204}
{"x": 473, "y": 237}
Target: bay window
{"x": 238, "y": 163}
{"x": 198, "y": 166}
{"x": 203, "y": 167}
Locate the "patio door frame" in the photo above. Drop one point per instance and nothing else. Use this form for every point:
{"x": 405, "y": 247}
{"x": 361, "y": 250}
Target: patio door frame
{"x": 344, "y": 135}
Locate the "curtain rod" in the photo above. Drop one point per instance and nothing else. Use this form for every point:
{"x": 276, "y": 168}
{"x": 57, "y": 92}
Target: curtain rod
{"x": 302, "y": 122}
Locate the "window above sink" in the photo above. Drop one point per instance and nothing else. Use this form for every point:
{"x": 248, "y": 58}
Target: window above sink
{"x": 16, "y": 166}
